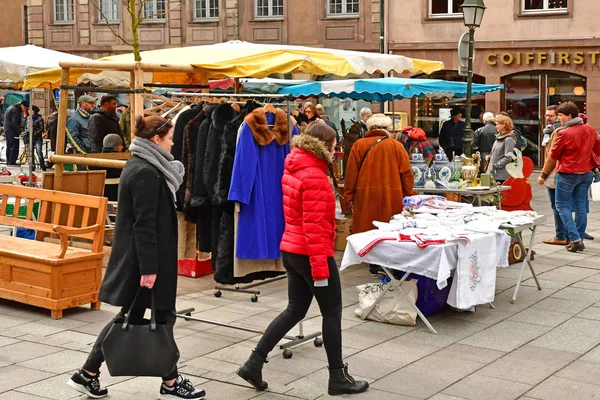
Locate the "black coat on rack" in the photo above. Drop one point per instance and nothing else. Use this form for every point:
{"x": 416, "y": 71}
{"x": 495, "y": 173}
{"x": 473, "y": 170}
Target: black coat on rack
{"x": 190, "y": 136}
{"x": 178, "y": 144}
{"x": 199, "y": 198}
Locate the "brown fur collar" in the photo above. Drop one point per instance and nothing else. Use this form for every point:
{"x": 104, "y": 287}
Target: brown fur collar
{"x": 257, "y": 121}
{"x": 313, "y": 145}
{"x": 377, "y": 132}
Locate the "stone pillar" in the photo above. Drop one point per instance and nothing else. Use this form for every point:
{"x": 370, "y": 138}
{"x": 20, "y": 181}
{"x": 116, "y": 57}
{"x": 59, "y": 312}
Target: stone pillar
{"x": 82, "y": 19}
{"x": 174, "y": 22}
{"x": 232, "y": 21}
{"x": 35, "y": 15}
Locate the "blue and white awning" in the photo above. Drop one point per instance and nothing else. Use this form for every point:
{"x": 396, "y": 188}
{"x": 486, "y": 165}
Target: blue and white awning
{"x": 386, "y": 89}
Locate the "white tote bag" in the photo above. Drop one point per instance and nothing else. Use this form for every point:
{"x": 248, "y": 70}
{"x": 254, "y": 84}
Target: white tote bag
{"x": 594, "y": 194}
{"x": 394, "y": 308}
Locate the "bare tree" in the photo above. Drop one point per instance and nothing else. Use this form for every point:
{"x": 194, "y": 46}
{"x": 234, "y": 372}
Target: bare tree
{"x": 135, "y": 8}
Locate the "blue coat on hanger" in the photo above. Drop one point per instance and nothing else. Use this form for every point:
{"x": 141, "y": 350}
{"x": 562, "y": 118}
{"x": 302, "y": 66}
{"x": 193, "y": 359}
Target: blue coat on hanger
{"x": 263, "y": 144}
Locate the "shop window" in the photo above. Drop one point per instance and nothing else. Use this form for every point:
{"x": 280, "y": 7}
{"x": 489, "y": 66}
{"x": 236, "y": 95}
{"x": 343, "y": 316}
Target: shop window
{"x": 342, "y": 7}
{"x": 64, "y": 11}
{"x": 154, "y": 10}
{"x": 430, "y": 113}
{"x": 268, "y": 8}
{"x": 445, "y": 8}
{"x": 109, "y": 10}
{"x": 544, "y": 6}
{"x": 206, "y": 10}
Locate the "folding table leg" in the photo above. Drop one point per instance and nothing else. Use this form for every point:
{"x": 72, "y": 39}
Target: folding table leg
{"x": 526, "y": 261}
{"x": 398, "y": 284}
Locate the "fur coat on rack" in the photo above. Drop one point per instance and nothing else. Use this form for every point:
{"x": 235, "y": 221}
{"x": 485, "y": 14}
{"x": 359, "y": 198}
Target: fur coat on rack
{"x": 188, "y": 158}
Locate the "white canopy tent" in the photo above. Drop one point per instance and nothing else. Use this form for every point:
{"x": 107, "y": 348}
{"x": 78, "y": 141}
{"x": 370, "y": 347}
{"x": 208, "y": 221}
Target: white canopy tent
{"x": 16, "y": 63}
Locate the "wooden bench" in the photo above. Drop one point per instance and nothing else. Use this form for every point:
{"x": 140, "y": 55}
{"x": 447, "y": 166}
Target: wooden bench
{"x": 52, "y": 275}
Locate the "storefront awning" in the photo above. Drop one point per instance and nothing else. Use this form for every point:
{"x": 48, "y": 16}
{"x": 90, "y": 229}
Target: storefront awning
{"x": 386, "y": 89}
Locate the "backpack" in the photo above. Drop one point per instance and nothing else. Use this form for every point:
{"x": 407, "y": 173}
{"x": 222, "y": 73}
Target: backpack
{"x": 521, "y": 142}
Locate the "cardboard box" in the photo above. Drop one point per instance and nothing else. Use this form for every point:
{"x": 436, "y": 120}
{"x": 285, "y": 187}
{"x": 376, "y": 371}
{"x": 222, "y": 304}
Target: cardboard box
{"x": 342, "y": 231}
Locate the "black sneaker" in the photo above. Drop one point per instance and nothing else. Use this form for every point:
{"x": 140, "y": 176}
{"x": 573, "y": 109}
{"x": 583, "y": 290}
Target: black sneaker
{"x": 87, "y": 384}
{"x": 181, "y": 389}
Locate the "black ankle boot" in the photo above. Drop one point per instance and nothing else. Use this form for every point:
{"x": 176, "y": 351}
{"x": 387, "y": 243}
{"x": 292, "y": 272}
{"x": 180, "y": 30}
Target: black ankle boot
{"x": 251, "y": 371}
{"x": 340, "y": 382}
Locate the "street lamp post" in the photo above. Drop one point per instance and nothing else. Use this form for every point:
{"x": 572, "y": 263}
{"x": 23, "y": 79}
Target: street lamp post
{"x": 473, "y": 14}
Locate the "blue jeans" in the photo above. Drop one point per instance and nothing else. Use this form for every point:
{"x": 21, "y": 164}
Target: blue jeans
{"x": 559, "y": 227}
{"x": 37, "y": 145}
{"x": 571, "y": 196}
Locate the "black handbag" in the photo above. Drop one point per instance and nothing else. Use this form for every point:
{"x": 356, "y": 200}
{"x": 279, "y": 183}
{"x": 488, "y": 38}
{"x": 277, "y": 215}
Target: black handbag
{"x": 148, "y": 349}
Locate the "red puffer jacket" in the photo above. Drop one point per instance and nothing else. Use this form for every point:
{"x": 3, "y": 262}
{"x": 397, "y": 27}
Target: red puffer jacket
{"x": 309, "y": 204}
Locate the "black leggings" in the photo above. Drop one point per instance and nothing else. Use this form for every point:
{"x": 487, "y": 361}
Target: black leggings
{"x": 96, "y": 357}
{"x": 301, "y": 290}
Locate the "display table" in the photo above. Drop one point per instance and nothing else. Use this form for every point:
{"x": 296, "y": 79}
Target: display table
{"x": 473, "y": 257}
{"x": 476, "y": 193}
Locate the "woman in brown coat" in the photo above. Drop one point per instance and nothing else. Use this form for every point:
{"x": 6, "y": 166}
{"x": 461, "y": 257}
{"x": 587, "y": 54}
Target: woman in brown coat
{"x": 378, "y": 176}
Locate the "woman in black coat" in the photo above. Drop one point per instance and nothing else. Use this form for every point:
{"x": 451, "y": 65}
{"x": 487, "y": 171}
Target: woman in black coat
{"x": 144, "y": 253}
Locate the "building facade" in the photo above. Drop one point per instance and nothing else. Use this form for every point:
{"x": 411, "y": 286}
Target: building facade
{"x": 16, "y": 33}
{"x": 544, "y": 52}
{"x": 95, "y": 28}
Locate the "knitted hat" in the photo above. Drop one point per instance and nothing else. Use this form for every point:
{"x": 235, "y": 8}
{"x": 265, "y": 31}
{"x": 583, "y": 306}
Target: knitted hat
{"x": 379, "y": 121}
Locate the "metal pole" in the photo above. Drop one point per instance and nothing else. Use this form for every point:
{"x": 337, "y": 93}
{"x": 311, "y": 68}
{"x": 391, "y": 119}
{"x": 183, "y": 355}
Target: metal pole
{"x": 468, "y": 136}
{"x": 382, "y": 26}
{"x": 31, "y": 156}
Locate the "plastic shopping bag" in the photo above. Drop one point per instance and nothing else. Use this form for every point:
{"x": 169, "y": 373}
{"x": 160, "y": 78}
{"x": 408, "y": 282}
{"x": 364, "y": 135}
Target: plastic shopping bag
{"x": 394, "y": 308}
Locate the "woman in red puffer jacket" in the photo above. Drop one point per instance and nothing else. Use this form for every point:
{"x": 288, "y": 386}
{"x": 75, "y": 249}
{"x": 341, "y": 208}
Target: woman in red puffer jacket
{"x": 307, "y": 253}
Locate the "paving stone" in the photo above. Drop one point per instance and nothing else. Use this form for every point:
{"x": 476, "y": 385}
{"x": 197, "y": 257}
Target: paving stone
{"x": 359, "y": 339}
{"x": 448, "y": 331}
{"x": 15, "y": 376}
{"x": 555, "y": 285}
{"x": 442, "y": 396}
{"x": 58, "y": 363}
{"x": 401, "y": 351}
{"x": 374, "y": 394}
{"x": 375, "y": 368}
{"x": 318, "y": 353}
{"x": 527, "y": 296}
{"x": 484, "y": 315}
{"x": 199, "y": 344}
{"x": 471, "y": 353}
{"x": 378, "y": 327}
{"x": 593, "y": 278}
{"x": 560, "y": 305}
{"x": 296, "y": 365}
{"x": 506, "y": 335}
{"x": 568, "y": 274}
{"x": 582, "y": 371}
{"x": 5, "y": 341}
{"x": 592, "y": 355}
{"x": 209, "y": 368}
{"x": 529, "y": 364}
{"x": 557, "y": 388}
{"x": 422, "y": 381}
{"x": 577, "y": 294}
{"x": 23, "y": 351}
{"x": 478, "y": 387}
{"x": 577, "y": 335}
{"x": 7, "y": 321}
{"x": 53, "y": 388}
{"x": 590, "y": 313}
{"x": 14, "y": 395}
{"x": 84, "y": 314}
{"x": 540, "y": 316}
{"x": 93, "y": 328}
{"x": 278, "y": 381}
{"x": 225, "y": 391}
{"x": 587, "y": 285}
{"x": 143, "y": 387}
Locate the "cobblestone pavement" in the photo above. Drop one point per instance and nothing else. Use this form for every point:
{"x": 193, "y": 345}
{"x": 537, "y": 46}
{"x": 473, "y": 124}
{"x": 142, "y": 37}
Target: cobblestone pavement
{"x": 545, "y": 346}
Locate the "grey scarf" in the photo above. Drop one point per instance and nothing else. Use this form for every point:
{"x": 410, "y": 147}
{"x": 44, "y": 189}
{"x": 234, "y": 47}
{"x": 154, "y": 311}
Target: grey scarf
{"x": 161, "y": 159}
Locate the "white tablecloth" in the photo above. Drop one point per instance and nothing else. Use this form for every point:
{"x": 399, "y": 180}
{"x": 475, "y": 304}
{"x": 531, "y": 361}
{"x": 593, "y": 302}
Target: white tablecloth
{"x": 476, "y": 275}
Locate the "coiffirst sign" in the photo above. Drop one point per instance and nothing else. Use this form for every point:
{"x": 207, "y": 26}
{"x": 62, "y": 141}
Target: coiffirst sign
{"x": 543, "y": 58}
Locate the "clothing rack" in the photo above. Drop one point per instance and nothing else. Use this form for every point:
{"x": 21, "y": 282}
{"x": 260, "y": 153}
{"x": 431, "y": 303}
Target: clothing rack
{"x": 186, "y": 314}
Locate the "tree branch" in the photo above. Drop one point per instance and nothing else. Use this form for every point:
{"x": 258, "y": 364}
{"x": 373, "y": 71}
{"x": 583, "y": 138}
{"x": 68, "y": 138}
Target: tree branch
{"x": 97, "y": 7}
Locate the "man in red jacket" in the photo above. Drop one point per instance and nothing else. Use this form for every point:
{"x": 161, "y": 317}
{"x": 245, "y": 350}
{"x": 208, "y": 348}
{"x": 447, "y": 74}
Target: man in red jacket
{"x": 574, "y": 152}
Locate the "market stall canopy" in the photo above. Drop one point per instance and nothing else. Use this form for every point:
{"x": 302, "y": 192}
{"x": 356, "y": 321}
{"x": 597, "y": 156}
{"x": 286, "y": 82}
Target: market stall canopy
{"x": 18, "y": 62}
{"x": 386, "y": 89}
{"x": 264, "y": 85}
{"x": 238, "y": 59}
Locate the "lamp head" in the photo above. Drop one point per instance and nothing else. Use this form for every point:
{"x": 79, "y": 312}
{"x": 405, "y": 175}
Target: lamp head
{"x": 473, "y": 12}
